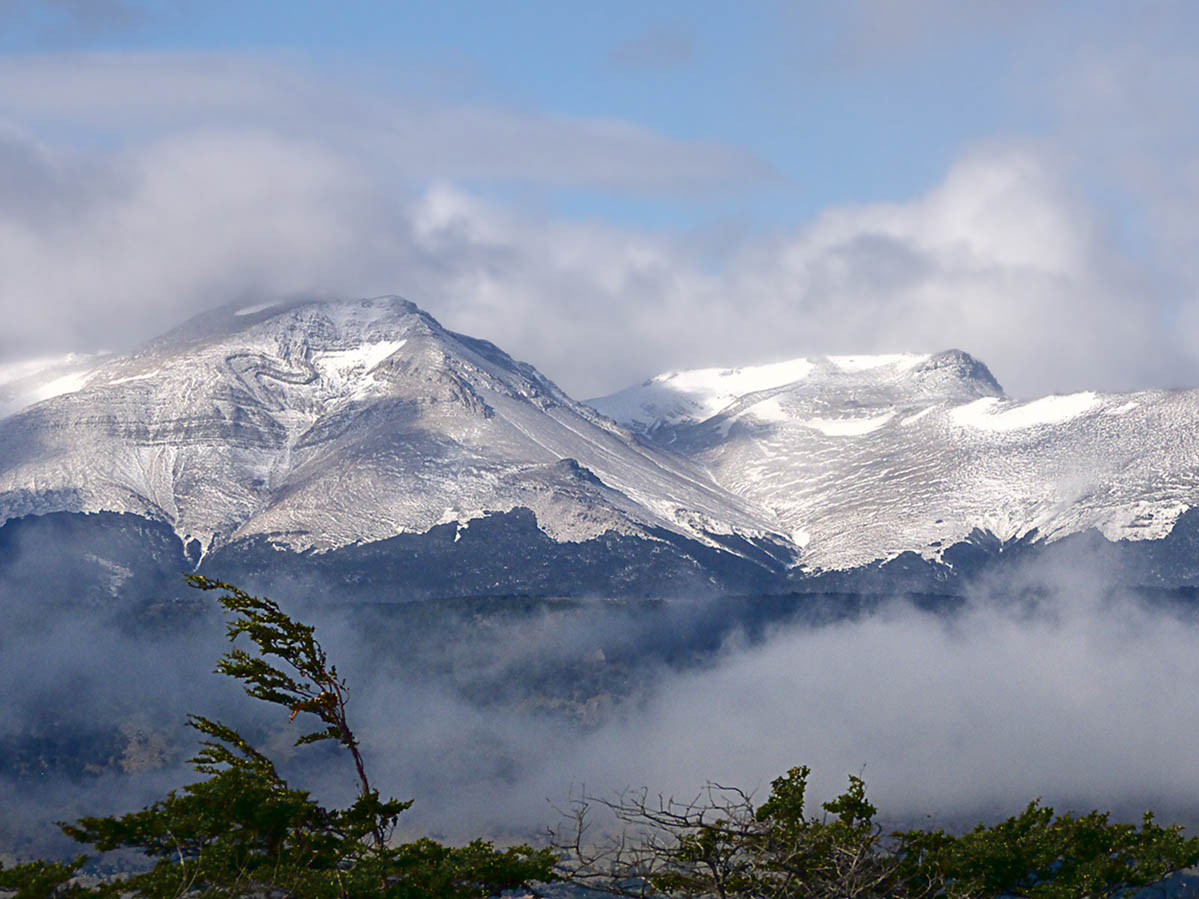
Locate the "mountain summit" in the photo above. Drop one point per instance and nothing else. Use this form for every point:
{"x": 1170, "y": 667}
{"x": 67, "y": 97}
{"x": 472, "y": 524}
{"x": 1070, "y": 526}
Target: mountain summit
{"x": 323, "y": 424}
{"x": 680, "y": 398}
{"x": 860, "y": 458}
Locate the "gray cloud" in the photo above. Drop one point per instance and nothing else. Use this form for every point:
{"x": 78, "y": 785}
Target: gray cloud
{"x": 883, "y": 30}
{"x": 1082, "y": 701}
{"x": 137, "y": 97}
{"x": 232, "y": 176}
{"x": 998, "y": 259}
{"x": 56, "y": 22}
{"x": 659, "y": 47}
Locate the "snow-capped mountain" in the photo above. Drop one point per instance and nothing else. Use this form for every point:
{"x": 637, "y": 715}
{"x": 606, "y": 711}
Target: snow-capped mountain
{"x": 864, "y": 457}
{"x": 323, "y": 424}
{"x": 364, "y": 442}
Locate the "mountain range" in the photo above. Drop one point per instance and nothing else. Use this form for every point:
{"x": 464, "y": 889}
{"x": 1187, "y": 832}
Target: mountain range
{"x": 362, "y": 444}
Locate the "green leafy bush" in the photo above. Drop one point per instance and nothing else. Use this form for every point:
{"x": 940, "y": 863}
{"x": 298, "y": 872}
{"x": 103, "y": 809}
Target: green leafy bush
{"x": 1042, "y": 855}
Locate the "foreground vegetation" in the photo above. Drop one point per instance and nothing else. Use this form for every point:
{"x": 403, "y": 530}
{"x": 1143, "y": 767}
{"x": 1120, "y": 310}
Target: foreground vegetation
{"x": 242, "y": 830}
{"x": 721, "y": 844}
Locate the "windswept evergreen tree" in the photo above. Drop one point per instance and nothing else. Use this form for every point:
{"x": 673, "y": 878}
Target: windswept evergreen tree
{"x": 244, "y": 831}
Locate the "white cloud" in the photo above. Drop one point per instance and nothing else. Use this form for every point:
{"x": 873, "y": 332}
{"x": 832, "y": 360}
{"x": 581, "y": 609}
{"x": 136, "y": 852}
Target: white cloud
{"x": 1081, "y": 698}
{"x": 998, "y": 259}
{"x": 231, "y": 177}
{"x": 961, "y": 718}
{"x": 170, "y": 228}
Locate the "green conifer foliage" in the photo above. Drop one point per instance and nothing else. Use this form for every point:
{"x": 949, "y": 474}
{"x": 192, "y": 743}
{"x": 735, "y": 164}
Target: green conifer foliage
{"x": 244, "y": 831}
{"x": 720, "y": 845}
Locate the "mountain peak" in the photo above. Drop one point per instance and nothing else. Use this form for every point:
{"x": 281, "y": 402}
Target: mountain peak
{"x": 321, "y": 423}
{"x": 960, "y": 366}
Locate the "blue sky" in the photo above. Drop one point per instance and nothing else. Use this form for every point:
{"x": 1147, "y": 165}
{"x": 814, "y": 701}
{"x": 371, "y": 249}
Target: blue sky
{"x": 832, "y": 118}
{"x": 682, "y": 183}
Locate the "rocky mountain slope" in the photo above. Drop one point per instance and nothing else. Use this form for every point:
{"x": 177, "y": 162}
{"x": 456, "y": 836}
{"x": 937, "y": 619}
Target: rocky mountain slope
{"x": 323, "y": 424}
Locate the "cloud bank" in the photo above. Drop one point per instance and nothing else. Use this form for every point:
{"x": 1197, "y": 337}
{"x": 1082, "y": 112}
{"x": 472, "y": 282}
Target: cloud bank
{"x": 138, "y": 189}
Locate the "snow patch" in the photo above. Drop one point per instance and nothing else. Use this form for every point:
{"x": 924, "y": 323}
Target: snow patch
{"x": 250, "y": 310}
{"x": 354, "y": 316}
{"x": 768, "y": 410}
{"x": 1144, "y": 520}
{"x": 145, "y": 377}
{"x": 983, "y": 414}
{"x": 912, "y": 419}
{"x": 696, "y": 394}
{"x": 865, "y": 363}
{"x": 1122, "y": 410}
{"x": 736, "y": 382}
{"x": 848, "y": 427}
{"x": 712, "y": 389}
{"x": 339, "y": 363}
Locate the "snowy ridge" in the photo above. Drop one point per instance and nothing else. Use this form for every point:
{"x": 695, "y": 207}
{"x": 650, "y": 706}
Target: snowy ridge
{"x": 889, "y": 454}
{"x": 687, "y": 397}
{"x": 991, "y": 414}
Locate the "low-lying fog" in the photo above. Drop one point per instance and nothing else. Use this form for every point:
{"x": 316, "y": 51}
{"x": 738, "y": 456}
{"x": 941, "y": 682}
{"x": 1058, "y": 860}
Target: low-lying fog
{"x": 489, "y": 713}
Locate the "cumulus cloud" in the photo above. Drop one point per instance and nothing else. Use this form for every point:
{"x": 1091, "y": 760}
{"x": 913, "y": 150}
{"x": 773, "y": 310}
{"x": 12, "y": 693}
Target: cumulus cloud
{"x": 998, "y": 259}
{"x": 148, "y": 237}
{"x": 225, "y": 177}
